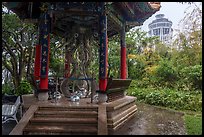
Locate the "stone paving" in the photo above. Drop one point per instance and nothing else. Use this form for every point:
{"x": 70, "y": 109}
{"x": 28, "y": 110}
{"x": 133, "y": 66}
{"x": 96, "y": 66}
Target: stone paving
{"x": 151, "y": 120}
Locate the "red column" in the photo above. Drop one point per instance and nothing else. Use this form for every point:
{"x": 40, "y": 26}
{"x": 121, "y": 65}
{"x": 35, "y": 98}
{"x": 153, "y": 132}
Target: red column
{"x": 103, "y": 50}
{"x": 103, "y": 80}
{"x": 123, "y": 65}
{"x": 44, "y": 40}
{"x": 44, "y": 80}
{"x": 37, "y": 62}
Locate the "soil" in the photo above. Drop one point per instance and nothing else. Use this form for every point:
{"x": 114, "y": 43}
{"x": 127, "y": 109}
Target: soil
{"x": 151, "y": 120}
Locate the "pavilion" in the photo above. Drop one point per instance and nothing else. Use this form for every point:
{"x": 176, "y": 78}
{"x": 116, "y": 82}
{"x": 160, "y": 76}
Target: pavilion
{"x": 73, "y": 19}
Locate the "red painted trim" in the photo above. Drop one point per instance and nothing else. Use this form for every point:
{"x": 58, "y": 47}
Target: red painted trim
{"x": 44, "y": 81}
{"x": 102, "y": 84}
{"x": 123, "y": 65}
{"x": 37, "y": 62}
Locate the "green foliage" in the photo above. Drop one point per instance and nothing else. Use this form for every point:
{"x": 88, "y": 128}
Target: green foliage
{"x": 144, "y": 83}
{"x": 114, "y": 56}
{"x": 56, "y": 65}
{"x": 7, "y": 89}
{"x": 163, "y": 67}
{"x": 18, "y": 39}
{"x": 193, "y": 124}
{"x": 192, "y": 77}
{"x": 167, "y": 97}
{"x": 189, "y": 40}
{"x": 166, "y": 74}
{"x": 23, "y": 88}
{"x": 136, "y": 67}
{"x": 7, "y": 21}
{"x": 138, "y": 44}
{"x": 165, "y": 71}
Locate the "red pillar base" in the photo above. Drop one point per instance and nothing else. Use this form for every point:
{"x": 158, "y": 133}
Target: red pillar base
{"x": 44, "y": 84}
{"x": 102, "y": 84}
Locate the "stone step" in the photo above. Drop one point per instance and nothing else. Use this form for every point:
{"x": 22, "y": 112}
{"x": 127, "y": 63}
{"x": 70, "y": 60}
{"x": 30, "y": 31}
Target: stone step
{"x": 120, "y": 103}
{"x": 81, "y": 125}
{"x": 66, "y": 108}
{"x": 63, "y": 120}
{"x": 65, "y": 114}
{"x": 57, "y": 130}
{"x": 121, "y": 110}
{"x": 122, "y": 116}
{"x": 119, "y": 120}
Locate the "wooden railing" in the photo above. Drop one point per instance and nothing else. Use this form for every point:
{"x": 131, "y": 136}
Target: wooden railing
{"x": 18, "y": 129}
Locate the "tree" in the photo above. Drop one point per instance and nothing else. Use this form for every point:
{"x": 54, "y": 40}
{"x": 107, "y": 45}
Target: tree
{"x": 18, "y": 41}
{"x": 56, "y": 66}
{"x": 188, "y": 58}
{"x": 140, "y": 53}
{"x": 189, "y": 39}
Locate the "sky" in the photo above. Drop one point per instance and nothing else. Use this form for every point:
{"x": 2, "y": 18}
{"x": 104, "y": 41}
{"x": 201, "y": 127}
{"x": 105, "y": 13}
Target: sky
{"x": 173, "y": 11}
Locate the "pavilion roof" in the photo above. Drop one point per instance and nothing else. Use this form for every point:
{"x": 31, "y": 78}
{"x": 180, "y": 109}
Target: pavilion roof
{"x": 85, "y": 14}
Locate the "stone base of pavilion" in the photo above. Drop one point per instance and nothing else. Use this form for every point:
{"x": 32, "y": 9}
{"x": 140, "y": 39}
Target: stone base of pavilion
{"x": 110, "y": 116}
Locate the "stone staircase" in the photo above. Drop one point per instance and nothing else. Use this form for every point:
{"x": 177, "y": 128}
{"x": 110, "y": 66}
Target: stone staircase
{"x": 119, "y": 112}
{"x": 67, "y": 120}
{"x": 71, "y": 118}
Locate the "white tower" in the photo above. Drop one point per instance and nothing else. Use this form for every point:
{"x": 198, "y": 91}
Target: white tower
{"x": 161, "y": 27}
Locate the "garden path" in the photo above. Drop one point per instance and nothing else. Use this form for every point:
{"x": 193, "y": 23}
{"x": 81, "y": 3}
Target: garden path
{"x": 151, "y": 120}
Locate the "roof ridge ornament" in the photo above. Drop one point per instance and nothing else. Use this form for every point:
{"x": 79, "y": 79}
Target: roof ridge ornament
{"x": 155, "y": 5}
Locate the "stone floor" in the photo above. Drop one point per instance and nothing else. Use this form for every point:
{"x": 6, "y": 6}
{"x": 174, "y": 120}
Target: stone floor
{"x": 31, "y": 100}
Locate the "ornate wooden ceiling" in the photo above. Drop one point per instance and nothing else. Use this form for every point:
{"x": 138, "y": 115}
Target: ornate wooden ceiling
{"x": 67, "y": 16}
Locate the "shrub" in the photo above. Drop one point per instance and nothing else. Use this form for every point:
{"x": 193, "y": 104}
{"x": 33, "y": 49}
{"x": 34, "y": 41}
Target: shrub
{"x": 7, "y": 89}
{"x": 136, "y": 68}
{"x": 192, "y": 77}
{"x": 23, "y": 88}
{"x": 167, "y": 97}
{"x": 165, "y": 74}
{"x": 144, "y": 83}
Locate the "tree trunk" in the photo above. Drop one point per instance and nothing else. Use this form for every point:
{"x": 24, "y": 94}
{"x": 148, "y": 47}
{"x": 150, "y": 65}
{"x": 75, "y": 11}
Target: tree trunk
{"x": 29, "y": 62}
{"x": 16, "y": 81}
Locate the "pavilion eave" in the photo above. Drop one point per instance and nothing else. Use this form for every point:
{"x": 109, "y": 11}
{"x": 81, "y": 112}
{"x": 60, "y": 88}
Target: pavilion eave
{"x": 86, "y": 14}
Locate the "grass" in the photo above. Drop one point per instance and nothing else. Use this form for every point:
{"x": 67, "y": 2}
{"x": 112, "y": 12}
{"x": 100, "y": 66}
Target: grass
{"x": 193, "y": 124}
